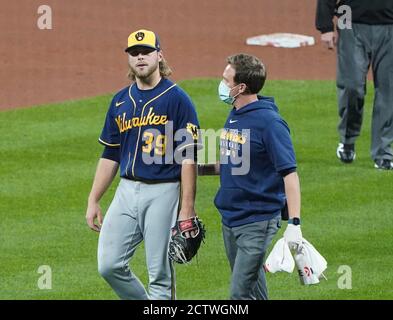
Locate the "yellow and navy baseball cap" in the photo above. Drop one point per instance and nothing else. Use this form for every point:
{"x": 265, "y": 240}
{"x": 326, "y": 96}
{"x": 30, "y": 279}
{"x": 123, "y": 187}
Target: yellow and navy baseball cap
{"x": 144, "y": 38}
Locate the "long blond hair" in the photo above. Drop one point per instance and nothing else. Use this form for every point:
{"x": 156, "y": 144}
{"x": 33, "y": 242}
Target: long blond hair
{"x": 165, "y": 70}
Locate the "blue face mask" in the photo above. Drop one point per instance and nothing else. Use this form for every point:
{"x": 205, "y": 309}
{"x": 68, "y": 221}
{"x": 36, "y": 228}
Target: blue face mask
{"x": 224, "y": 93}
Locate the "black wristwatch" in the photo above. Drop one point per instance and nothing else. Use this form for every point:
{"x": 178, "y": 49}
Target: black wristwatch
{"x": 295, "y": 221}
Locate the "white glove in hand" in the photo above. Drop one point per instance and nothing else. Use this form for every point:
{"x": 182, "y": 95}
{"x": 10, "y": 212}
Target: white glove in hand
{"x": 293, "y": 236}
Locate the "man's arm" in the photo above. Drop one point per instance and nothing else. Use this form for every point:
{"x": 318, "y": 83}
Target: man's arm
{"x": 293, "y": 234}
{"x": 324, "y": 22}
{"x": 324, "y": 15}
{"x": 105, "y": 173}
{"x": 292, "y": 192}
{"x": 188, "y": 189}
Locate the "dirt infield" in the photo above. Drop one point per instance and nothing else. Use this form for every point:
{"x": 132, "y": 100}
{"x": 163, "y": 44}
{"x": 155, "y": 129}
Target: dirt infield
{"x": 83, "y": 55}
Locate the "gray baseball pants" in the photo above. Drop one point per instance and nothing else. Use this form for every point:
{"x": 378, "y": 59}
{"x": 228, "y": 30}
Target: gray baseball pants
{"x": 358, "y": 48}
{"x": 139, "y": 211}
{"x": 245, "y": 247}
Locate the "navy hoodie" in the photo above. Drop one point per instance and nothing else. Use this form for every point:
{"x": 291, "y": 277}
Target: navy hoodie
{"x": 257, "y": 193}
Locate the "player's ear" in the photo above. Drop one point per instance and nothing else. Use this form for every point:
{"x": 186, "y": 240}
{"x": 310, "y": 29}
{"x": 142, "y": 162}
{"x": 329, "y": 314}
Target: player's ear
{"x": 160, "y": 55}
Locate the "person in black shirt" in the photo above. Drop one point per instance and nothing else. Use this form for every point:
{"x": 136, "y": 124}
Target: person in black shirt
{"x": 367, "y": 41}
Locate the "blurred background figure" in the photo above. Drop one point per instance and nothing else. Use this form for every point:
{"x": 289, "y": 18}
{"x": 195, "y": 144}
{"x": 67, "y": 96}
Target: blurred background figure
{"x": 364, "y": 38}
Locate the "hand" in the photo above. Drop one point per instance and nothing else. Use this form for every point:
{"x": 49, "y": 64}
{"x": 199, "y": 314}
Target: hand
{"x": 329, "y": 39}
{"x": 293, "y": 236}
{"x": 94, "y": 211}
{"x": 185, "y": 214}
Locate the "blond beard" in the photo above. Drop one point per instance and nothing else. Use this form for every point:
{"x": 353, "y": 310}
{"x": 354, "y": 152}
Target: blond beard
{"x": 146, "y": 73}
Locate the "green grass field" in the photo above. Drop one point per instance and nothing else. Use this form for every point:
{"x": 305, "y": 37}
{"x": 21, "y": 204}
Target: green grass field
{"x": 48, "y": 159}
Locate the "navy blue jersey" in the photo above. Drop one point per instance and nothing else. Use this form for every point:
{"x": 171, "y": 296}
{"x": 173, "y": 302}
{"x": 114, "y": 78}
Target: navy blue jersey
{"x": 257, "y": 194}
{"x": 142, "y": 125}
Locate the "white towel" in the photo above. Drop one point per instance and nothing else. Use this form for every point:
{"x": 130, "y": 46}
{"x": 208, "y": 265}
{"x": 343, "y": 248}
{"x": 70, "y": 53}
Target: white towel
{"x": 309, "y": 262}
{"x": 318, "y": 263}
{"x": 280, "y": 258}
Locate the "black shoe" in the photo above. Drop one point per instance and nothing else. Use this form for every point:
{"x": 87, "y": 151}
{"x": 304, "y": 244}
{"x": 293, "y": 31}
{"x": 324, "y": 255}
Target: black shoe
{"x": 346, "y": 152}
{"x": 384, "y": 164}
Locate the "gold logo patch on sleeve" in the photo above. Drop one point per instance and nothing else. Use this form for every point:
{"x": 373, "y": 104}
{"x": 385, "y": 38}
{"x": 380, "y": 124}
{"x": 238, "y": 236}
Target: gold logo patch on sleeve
{"x": 193, "y": 130}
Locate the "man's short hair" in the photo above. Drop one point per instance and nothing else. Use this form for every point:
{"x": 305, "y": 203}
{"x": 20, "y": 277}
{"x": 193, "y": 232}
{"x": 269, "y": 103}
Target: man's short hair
{"x": 249, "y": 70}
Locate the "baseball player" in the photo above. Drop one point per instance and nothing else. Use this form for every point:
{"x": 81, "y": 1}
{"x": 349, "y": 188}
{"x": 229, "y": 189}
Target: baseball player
{"x": 151, "y": 133}
{"x": 251, "y": 201}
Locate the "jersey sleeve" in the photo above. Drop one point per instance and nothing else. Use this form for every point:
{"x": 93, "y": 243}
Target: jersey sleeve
{"x": 278, "y": 144}
{"x": 110, "y": 135}
{"x": 186, "y": 125}
{"x": 324, "y": 15}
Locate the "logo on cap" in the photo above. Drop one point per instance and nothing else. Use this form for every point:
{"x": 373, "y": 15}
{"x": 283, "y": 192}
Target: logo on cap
{"x": 139, "y": 36}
